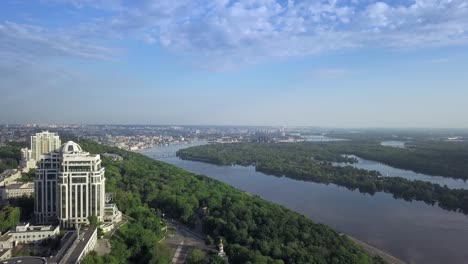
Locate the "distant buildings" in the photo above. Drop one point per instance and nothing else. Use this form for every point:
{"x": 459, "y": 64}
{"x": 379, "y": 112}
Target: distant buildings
{"x": 5, "y": 253}
{"x": 26, "y": 233}
{"x": 16, "y": 190}
{"x": 43, "y": 143}
{"x": 27, "y": 162}
{"x": 113, "y": 157}
{"x": 70, "y": 187}
{"x": 6, "y": 241}
{"x": 10, "y": 188}
{"x": 8, "y": 177}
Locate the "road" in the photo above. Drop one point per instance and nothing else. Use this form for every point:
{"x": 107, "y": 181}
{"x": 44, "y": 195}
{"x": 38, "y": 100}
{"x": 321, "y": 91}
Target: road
{"x": 183, "y": 241}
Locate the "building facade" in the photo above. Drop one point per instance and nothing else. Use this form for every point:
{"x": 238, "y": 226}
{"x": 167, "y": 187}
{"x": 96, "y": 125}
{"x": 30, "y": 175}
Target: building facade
{"x": 27, "y": 162}
{"x": 17, "y": 190}
{"x": 5, "y": 254}
{"x": 9, "y": 177}
{"x": 70, "y": 187}
{"x": 43, "y": 143}
{"x": 26, "y": 233}
{"x": 45, "y": 184}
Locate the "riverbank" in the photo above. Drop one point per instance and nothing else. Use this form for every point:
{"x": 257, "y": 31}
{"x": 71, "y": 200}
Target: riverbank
{"x": 373, "y": 251}
{"x": 410, "y": 231}
{"x": 314, "y": 162}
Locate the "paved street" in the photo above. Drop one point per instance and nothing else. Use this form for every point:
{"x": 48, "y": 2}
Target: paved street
{"x": 103, "y": 247}
{"x": 183, "y": 241}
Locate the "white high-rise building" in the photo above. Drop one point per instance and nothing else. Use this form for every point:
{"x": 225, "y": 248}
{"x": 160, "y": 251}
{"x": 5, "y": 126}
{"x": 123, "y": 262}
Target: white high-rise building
{"x": 70, "y": 187}
{"x": 43, "y": 143}
{"x": 27, "y": 162}
{"x": 26, "y": 154}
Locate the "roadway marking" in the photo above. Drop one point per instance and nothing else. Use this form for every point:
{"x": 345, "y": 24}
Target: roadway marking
{"x": 177, "y": 253}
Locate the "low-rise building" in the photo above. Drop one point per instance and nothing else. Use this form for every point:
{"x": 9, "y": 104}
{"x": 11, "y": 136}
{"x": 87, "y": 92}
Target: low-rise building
{"x": 113, "y": 157}
{"x": 17, "y": 190}
{"x": 9, "y": 176}
{"x": 87, "y": 243}
{"x": 27, "y": 162}
{"x": 112, "y": 213}
{"x": 5, "y": 253}
{"x": 6, "y": 241}
{"x": 26, "y": 233}
{"x": 25, "y": 260}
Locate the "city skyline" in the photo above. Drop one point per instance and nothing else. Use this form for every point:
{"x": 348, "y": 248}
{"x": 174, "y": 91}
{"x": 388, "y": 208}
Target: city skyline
{"x": 259, "y": 62}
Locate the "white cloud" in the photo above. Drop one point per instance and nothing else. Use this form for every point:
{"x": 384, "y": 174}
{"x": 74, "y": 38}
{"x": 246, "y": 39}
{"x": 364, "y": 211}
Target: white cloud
{"x": 26, "y": 53}
{"x": 246, "y": 31}
{"x": 27, "y": 40}
{"x": 237, "y": 32}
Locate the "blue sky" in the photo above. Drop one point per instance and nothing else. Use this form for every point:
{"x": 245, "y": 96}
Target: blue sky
{"x": 336, "y": 63}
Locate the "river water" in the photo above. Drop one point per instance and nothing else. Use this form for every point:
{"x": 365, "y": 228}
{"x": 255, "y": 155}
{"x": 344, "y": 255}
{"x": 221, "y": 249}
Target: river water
{"x": 412, "y": 231}
{"x": 393, "y": 143}
{"x": 389, "y": 171}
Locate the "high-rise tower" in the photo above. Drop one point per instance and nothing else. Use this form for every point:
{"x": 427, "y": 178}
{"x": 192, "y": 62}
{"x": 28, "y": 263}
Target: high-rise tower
{"x": 70, "y": 186}
{"x": 43, "y": 143}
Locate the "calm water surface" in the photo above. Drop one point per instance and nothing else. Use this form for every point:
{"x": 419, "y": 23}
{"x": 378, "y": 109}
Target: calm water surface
{"x": 321, "y": 138}
{"x": 389, "y": 171}
{"x": 412, "y": 231}
{"x": 393, "y": 143}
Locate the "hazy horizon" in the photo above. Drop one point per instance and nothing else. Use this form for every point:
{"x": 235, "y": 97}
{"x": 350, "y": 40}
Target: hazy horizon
{"x": 330, "y": 63}
{"x": 331, "y": 128}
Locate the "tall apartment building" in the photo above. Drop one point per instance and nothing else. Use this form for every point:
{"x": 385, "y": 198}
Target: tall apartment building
{"x": 70, "y": 187}
{"x": 27, "y": 162}
{"x": 43, "y": 143}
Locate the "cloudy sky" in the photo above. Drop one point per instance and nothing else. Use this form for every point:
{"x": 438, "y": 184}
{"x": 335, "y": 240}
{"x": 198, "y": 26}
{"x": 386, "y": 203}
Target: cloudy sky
{"x": 341, "y": 63}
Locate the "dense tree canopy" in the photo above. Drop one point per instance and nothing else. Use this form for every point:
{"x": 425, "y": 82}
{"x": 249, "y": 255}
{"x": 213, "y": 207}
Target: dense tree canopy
{"x": 441, "y": 158}
{"x": 313, "y": 162}
{"x": 10, "y": 155}
{"x": 255, "y": 231}
{"x": 9, "y": 218}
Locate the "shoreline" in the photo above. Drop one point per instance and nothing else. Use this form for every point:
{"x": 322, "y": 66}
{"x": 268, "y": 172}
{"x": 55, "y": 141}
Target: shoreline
{"x": 373, "y": 251}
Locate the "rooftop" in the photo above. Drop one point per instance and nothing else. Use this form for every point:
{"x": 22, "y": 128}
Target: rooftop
{"x": 27, "y": 185}
{"x": 25, "y": 227}
{"x": 24, "y": 260}
{"x": 5, "y": 237}
{"x": 81, "y": 245}
{"x": 3, "y": 251}
{"x": 70, "y": 147}
{"x": 8, "y": 173}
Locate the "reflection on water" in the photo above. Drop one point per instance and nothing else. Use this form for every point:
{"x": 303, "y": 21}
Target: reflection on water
{"x": 169, "y": 150}
{"x": 321, "y": 138}
{"x": 389, "y": 171}
{"x": 395, "y": 144}
{"x": 412, "y": 231}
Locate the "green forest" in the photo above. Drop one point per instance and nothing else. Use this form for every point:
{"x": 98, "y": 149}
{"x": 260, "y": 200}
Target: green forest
{"x": 10, "y": 156}
{"x": 432, "y": 157}
{"x": 9, "y": 218}
{"x": 254, "y": 230}
{"x": 313, "y": 162}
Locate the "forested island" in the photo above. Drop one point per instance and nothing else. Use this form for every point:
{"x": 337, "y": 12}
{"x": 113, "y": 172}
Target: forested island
{"x": 314, "y": 162}
{"x": 432, "y": 157}
{"x": 255, "y": 231}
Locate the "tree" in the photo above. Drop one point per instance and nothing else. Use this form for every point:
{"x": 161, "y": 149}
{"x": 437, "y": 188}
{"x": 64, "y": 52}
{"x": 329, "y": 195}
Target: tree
{"x": 9, "y": 218}
{"x": 195, "y": 256}
{"x": 93, "y": 221}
